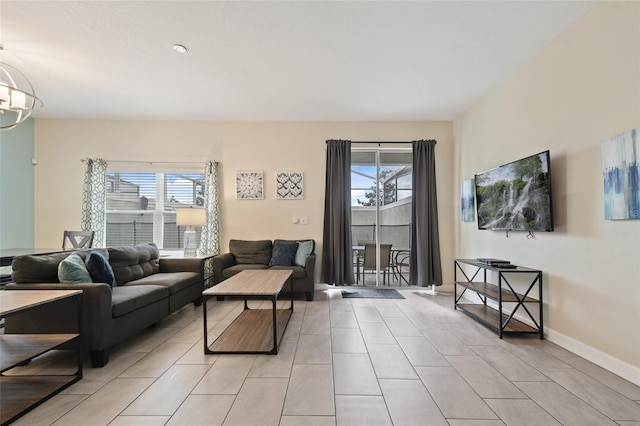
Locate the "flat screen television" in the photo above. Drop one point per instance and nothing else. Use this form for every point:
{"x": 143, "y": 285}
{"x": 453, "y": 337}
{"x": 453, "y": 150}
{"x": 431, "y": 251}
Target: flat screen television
{"x": 516, "y": 196}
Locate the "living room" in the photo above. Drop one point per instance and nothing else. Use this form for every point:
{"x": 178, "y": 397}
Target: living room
{"x": 580, "y": 89}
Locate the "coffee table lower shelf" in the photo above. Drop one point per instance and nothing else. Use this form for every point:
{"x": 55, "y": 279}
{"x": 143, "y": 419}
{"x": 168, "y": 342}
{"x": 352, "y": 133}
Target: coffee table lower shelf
{"x": 252, "y": 333}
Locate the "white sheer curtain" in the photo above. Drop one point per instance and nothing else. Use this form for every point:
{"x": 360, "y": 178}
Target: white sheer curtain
{"x": 94, "y": 200}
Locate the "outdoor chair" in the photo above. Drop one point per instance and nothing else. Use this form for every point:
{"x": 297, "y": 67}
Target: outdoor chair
{"x": 402, "y": 261}
{"x": 359, "y": 256}
{"x": 369, "y": 262}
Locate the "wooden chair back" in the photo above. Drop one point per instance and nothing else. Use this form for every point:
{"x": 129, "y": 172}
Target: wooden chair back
{"x": 78, "y": 239}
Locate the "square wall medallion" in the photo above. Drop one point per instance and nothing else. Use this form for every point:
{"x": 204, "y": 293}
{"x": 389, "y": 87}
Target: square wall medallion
{"x": 289, "y": 186}
{"x": 249, "y": 185}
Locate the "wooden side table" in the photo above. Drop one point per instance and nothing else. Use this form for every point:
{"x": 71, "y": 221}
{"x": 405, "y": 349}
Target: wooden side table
{"x": 21, "y": 393}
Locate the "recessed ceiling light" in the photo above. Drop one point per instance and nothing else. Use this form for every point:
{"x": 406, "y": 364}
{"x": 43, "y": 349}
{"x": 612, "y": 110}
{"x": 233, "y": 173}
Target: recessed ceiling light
{"x": 179, "y": 48}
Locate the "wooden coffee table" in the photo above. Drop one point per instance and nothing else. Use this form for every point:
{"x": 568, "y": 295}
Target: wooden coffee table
{"x": 254, "y": 331}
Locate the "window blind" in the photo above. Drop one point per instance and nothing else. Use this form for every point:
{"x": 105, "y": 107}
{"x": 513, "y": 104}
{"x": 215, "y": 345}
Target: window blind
{"x": 141, "y": 206}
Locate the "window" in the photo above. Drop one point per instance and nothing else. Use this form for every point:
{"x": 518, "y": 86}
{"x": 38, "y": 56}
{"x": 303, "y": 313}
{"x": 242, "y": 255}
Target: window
{"x": 381, "y": 197}
{"x": 395, "y": 176}
{"x": 404, "y": 184}
{"x": 141, "y": 206}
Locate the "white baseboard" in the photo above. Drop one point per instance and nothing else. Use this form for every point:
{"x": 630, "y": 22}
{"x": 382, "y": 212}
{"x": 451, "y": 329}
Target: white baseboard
{"x": 616, "y": 366}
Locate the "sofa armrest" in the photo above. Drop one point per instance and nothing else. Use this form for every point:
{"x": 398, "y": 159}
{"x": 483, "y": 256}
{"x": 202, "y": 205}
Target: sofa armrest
{"x": 221, "y": 262}
{"x": 55, "y": 318}
{"x": 310, "y": 265}
{"x": 308, "y": 283}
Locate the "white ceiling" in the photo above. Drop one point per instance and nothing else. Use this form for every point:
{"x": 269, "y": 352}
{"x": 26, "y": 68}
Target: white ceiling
{"x": 265, "y": 60}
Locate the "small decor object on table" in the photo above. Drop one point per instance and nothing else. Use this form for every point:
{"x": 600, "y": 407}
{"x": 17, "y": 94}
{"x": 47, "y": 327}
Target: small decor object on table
{"x": 621, "y": 175}
{"x": 289, "y": 186}
{"x": 249, "y": 185}
{"x": 190, "y": 217}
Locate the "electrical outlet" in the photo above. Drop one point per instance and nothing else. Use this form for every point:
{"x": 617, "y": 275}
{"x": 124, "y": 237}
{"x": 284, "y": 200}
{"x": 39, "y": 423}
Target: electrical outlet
{"x": 304, "y": 220}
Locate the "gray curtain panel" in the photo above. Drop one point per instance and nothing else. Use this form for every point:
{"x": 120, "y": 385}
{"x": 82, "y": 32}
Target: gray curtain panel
{"x": 426, "y": 268}
{"x": 336, "y": 266}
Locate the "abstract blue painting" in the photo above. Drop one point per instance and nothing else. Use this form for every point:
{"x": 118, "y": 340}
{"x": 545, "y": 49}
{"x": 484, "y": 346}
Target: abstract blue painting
{"x": 467, "y": 201}
{"x": 621, "y": 175}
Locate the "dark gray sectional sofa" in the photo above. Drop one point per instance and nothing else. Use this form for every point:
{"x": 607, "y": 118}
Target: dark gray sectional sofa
{"x": 147, "y": 288}
{"x": 258, "y": 254}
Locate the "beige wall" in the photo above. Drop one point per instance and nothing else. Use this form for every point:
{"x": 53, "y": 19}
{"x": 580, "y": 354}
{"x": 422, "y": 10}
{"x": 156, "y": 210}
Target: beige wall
{"x": 580, "y": 90}
{"x": 267, "y": 146}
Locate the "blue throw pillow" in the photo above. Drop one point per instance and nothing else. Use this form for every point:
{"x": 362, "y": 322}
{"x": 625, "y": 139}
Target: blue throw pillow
{"x": 283, "y": 254}
{"x": 99, "y": 268}
{"x": 72, "y": 270}
{"x": 305, "y": 248}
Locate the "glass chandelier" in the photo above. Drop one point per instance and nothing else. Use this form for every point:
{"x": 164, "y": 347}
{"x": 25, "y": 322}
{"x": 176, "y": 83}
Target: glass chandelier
{"x": 17, "y": 97}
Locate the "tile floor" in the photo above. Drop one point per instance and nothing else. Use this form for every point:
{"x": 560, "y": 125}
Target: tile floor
{"x": 412, "y": 361}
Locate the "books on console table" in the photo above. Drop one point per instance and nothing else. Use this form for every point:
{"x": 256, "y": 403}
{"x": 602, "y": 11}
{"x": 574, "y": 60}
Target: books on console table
{"x": 492, "y": 261}
{"x": 497, "y": 263}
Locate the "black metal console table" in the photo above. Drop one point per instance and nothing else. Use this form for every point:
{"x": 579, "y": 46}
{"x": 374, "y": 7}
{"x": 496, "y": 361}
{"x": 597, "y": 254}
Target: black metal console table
{"x": 500, "y": 293}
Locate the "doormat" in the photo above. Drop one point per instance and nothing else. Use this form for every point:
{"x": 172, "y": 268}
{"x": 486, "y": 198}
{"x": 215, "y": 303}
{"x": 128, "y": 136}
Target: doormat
{"x": 372, "y": 293}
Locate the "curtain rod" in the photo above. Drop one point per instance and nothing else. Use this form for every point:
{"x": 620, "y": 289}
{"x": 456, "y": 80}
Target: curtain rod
{"x": 380, "y": 142}
{"x": 84, "y": 160}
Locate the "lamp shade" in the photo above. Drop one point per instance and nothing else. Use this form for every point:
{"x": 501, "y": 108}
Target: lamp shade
{"x": 190, "y": 217}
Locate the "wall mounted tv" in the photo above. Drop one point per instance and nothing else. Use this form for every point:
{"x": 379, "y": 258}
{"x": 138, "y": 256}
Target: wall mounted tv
{"x": 516, "y": 196}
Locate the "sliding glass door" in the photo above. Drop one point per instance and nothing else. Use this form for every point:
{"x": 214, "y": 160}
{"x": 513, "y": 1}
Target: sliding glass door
{"x": 381, "y": 214}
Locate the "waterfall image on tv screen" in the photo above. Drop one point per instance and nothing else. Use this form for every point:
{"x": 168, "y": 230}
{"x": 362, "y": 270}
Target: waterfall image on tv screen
{"x": 516, "y": 196}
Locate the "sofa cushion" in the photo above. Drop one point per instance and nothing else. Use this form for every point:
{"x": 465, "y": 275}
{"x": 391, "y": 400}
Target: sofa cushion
{"x": 73, "y": 270}
{"x": 232, "y": 270}
{"x": 257, "y": 252}
{"x": 99, "y": 268}
{"x": 42, "y": 268}
{"x": 284, "y": 253}
{"x": 126, "y": 299}
{"x": 134, "y": 262}
{"x": 36, "y": 268}
{"x": 297, "y": 271}
{"x": 173, "y": 281}
{"x": 305, "y": 248}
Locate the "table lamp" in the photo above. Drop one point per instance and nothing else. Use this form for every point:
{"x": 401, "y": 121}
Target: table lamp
{"x": 190, "y": 217}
